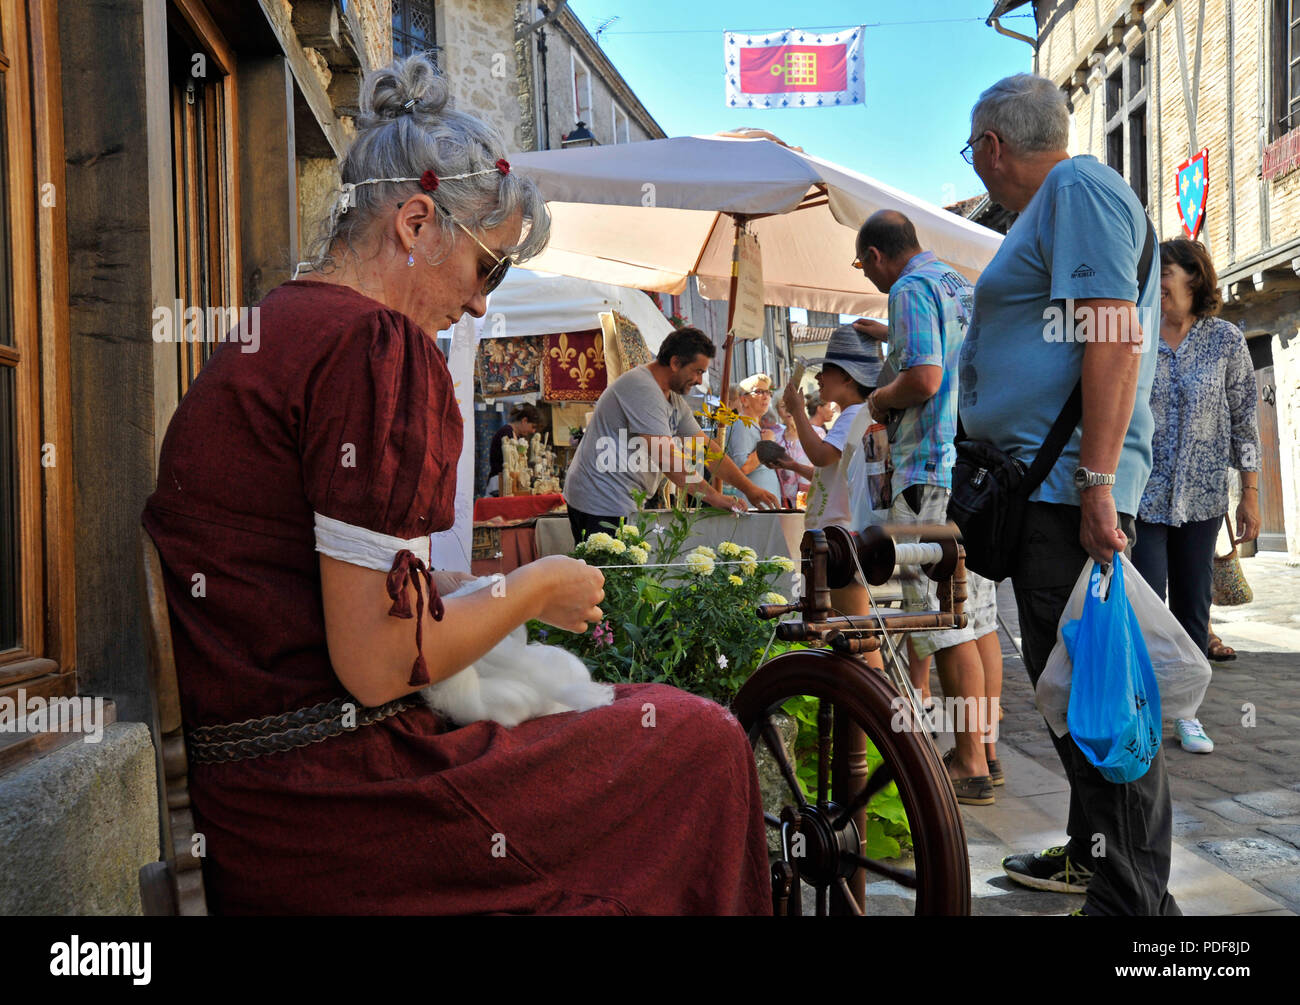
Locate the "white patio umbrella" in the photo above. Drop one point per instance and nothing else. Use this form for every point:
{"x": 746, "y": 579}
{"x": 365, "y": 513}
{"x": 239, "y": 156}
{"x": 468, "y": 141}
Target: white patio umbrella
{"x": 650, "y": 214}
{"x": 537, "y": 303}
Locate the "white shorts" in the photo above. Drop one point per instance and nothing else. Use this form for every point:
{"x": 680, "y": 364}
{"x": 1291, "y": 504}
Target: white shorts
{"x": 921, "y": 594}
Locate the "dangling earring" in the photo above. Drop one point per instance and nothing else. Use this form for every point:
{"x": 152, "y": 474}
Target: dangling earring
{"x": 410, "y": 259}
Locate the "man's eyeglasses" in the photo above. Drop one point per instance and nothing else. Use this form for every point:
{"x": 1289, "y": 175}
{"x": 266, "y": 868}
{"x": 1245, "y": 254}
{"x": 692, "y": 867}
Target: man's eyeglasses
{"x": 968, "y": 151}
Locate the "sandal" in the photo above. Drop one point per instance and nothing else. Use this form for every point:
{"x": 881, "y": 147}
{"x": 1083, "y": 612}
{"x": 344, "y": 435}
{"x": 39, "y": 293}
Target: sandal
{"x": 976, "y": 790}
{"x": 1219, "y": 652}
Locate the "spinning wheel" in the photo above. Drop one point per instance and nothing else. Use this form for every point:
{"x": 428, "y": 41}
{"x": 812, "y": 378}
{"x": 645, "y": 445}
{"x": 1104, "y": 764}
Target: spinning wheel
{"x": 822, "y": 834}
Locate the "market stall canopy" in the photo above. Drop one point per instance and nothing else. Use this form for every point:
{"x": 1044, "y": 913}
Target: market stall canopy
{"x": 538, "y": 303}
{"x": 650, "y": 214}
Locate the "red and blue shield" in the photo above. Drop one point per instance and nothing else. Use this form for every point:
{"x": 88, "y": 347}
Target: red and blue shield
{"x": 1193, "y": 182}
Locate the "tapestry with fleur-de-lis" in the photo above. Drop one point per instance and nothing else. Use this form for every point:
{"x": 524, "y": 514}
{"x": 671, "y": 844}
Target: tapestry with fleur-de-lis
{"x": 573, "y": 366}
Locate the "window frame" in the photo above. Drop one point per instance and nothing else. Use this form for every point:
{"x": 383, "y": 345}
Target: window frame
{"x": 1285, "y": 115}
{"x": 214, "y": 252}
{"x": 403, "y": 33}
{"x": 1121, "y": 109}
{"x": 44, "y": 662}
{"x": 577, "y": 63}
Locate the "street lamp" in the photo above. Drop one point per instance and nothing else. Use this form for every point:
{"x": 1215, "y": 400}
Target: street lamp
{"x": 580, "y": 137}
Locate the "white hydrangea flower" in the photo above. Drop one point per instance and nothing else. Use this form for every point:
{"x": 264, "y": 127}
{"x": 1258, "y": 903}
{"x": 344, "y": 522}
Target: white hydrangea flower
{"x": 600, "y": 541}
{"x": 700, "y": 564}
{"x": 729, "y": 549}
{"x": 637, "y": 555}
{"x": 773, "y": 598}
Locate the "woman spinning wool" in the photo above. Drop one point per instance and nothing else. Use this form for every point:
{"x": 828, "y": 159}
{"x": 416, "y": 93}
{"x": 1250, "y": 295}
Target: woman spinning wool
{"x": 302, "y": 482}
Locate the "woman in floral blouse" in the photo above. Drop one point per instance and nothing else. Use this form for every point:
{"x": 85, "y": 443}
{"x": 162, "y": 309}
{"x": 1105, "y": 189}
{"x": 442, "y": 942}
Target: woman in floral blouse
{"x": 1203, "y": 403}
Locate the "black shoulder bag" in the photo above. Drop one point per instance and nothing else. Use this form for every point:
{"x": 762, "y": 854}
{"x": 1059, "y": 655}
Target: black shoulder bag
{"x": 990, "y": 489}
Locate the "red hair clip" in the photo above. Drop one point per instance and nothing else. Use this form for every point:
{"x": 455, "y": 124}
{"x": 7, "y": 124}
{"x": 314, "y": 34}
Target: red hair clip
{"x": 503, "y": 166}
{"x": 428, "y": 181}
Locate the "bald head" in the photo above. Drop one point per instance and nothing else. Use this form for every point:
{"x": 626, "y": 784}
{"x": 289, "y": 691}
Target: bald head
{"x": 890, "y": 233}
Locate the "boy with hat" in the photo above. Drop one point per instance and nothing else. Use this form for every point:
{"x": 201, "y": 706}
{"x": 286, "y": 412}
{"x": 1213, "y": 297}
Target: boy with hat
{"x": 849, "y": 373}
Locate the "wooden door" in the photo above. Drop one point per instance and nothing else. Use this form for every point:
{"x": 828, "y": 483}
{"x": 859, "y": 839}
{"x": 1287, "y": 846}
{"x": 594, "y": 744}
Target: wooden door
{"x": 1272, "y": 534}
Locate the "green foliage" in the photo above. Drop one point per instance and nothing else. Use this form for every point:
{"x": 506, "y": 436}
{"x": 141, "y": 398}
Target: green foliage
{"x": 695, "y": 627}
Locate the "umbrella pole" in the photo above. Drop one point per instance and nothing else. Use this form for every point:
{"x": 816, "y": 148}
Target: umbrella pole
{"x": 731, "y": 334}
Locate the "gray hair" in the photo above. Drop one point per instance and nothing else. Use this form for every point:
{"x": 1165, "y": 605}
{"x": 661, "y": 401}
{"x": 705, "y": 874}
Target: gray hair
{"x": 1026, "y": 111}
{"x": 408, "y": 126}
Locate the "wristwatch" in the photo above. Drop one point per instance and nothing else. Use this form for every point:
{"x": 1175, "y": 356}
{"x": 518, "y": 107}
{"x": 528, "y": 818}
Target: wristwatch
{"x": 1085, "y": 479}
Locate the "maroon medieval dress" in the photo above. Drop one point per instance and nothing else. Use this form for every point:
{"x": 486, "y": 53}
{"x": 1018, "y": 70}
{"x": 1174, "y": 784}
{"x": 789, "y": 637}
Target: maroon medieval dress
{"x": 346, "y": 409}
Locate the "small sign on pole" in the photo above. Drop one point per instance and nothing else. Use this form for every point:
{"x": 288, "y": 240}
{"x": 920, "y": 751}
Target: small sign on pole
{"x": 747, "y": 320}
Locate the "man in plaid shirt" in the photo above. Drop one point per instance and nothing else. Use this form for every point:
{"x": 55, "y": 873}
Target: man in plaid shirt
{"x": 930, "y": 305}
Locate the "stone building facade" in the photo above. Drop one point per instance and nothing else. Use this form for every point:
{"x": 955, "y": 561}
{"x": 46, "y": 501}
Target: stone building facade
{"x": 1152, "y": 83}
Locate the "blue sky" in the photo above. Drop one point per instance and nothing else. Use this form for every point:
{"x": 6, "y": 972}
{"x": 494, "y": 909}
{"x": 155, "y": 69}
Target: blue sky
{"x": 922, "y": 78}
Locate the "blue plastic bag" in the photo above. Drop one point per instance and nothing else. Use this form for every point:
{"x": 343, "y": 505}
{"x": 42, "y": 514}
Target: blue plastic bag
{"x": 1114, "y": 713}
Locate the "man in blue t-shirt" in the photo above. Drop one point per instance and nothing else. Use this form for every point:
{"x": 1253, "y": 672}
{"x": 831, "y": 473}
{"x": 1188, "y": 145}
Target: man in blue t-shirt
{"x": 929, "y": 309}
{"x": 1061, "y": 304}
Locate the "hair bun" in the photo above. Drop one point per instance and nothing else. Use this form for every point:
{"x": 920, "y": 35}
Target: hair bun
{"x": 409, "y": 86}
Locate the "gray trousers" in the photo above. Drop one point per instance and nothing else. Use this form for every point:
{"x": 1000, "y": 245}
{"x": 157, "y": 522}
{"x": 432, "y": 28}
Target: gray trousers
{"x": 1123, "y": 832}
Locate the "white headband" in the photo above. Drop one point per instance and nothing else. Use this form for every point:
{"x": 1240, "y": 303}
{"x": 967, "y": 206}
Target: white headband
{"x": 428, "y": 181}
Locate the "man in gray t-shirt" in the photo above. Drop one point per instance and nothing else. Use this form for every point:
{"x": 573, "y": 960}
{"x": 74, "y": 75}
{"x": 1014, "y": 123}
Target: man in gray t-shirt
{"x": 643, "y": 430}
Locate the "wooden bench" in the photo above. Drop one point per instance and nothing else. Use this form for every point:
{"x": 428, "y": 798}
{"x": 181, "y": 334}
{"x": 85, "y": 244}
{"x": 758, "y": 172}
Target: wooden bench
{"x": 173, "y": 885}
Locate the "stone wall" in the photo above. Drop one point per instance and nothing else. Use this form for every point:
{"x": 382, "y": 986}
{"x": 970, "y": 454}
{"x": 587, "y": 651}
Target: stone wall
{"x": 1286, "y": 373}
{"x": 78, "y": 825}
{"x": 477, "y": 40}
{"x": 318, "y": 188}
{"x": 1075, "y": 29}
{"x": 375, "y": 20}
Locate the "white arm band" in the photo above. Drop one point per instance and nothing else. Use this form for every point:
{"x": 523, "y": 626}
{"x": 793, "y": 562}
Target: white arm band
{"x": 366, "y": 548}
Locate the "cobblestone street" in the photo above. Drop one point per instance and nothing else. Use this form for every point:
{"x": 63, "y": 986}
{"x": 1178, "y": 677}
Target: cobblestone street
{"x": 1236, "y": 810}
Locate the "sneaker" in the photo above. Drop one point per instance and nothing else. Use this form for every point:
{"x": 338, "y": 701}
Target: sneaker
{"x": 1048, "y": 870}
{"x": 1191, "y": 734}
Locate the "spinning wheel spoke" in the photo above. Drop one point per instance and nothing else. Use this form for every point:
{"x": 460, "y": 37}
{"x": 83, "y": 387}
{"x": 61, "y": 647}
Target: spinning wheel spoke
{"x": 904, "y": 877}
{"x": 773, "y": 741}
{"x": 853, "y": 722}
{"x": 881, "y": 777}
{"x": 849, "y": 898}
{"x": 825, "y": 718}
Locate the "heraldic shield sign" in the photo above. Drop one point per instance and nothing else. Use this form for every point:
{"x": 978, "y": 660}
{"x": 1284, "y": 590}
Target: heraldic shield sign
{"x": 1193, "y": 182}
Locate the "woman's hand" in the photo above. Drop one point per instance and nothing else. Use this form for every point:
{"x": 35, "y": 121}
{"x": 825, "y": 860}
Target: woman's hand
{"x": 1248, "y": 521}
{"x": 568, "y": 590}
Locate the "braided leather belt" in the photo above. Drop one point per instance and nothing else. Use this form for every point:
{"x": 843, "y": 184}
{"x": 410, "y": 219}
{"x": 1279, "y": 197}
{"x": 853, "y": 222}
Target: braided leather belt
{"x": 287, "y": 731}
